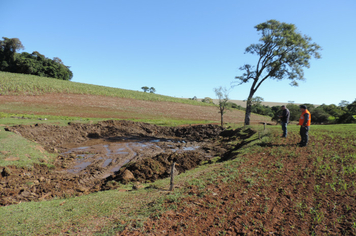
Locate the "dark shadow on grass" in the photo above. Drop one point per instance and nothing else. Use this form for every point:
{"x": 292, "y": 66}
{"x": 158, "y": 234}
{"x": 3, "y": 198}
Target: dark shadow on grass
{"x": 231, "y": 154}
{"x": 232, "y": 135}
{"x": 275, "y": 145}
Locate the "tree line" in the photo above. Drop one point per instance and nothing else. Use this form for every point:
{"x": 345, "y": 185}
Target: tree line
{"x": 33, "y": 64}
{"x": 342, "y": 113}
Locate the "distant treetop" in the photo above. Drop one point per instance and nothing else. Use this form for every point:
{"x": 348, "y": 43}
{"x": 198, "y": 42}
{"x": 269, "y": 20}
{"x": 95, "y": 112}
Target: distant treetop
{"x": 147, "y": 89}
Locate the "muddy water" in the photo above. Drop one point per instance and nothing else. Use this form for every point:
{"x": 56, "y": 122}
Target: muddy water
{"x": 108, "y": 156}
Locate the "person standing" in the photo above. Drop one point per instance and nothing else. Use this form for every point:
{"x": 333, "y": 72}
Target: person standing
{"x": 284, "y": 120}
{"x": 304, "y": 122}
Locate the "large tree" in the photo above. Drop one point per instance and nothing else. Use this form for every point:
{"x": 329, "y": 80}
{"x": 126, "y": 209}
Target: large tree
{"x": 282, "y": 53}
{"x": 8, "y": 49}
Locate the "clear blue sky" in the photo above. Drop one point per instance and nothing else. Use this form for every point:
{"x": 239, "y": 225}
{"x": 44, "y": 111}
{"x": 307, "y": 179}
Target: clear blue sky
{"x": 185, "y": 48}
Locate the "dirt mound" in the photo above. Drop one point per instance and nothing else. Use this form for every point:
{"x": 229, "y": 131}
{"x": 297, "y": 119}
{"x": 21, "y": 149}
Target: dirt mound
{"x": 51, "y": 136}
{"x": 198, "y": 132}
{"x": 158, "y": 167}
{"x": 40, "y": 183}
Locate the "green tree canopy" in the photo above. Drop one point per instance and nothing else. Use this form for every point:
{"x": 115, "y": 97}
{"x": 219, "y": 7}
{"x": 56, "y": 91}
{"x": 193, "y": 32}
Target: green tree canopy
{"x": 282, "y": 53}
{"x": 152, "y": 90}
{"x": 319, "y": 115}
{"x": 207, "y": 100}
{"x": 145, "y": 88}
{"x": 257, "y": 100}
{"x": 8, "y": 49}
{"x": 352, "y": 107}
{"x": 26, "y": 63}
{"x": 294, "y": 111}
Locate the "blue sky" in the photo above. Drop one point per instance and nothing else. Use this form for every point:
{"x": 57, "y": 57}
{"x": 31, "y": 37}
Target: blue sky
{"x": 185, "y": 48}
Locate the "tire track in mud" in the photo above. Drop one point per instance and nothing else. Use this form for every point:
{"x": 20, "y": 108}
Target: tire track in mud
{"x": 109, "y": 170}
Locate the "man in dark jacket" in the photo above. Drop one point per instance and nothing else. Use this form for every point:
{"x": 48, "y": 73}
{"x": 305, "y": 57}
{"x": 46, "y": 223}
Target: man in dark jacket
{"x": 285, "y": 120}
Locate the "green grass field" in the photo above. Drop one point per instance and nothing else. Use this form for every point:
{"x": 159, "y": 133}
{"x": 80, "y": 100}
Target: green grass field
{"x": 21, "y": 84}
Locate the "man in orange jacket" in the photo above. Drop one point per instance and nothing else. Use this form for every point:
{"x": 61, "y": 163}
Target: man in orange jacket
{"x": 304, "y": 122}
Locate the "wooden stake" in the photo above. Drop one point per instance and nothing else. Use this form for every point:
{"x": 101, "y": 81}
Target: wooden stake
{"x": 172, "y": 176}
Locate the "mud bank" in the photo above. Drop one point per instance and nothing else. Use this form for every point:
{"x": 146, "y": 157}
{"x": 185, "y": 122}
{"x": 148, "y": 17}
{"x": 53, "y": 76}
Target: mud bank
{"x": 96, "y": 157}
{"x": 51, "y": 136}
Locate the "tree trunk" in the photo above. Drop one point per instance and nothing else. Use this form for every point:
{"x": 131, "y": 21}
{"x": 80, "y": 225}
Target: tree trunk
{"x": 222, "y": 119}
{"x": 248, "y": 108}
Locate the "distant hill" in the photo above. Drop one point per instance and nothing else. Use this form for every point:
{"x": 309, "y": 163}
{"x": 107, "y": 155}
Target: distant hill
{"x": 29, "y": 94}
{"x": 21, "y": 84}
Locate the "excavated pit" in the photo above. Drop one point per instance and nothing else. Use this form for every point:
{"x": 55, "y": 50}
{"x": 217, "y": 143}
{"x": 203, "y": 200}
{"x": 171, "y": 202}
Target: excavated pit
{"x": 102, "y": 156}
{"x": 110, "y": 154}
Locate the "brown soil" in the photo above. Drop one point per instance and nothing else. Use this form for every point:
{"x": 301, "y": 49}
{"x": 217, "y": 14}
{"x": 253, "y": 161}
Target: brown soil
{"x": 52, "y": 136}
{"x": 279, "y": 201}
{"x": 110, "y": 107}
{"x": 91, "y": 157}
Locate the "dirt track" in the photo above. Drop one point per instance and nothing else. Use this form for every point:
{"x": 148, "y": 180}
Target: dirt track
{"x": 91, "y": 157}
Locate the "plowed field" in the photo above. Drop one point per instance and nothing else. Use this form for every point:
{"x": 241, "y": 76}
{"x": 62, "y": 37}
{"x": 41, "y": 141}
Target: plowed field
{"x": 78, "y": 105}
{"x": 276, "y": 189}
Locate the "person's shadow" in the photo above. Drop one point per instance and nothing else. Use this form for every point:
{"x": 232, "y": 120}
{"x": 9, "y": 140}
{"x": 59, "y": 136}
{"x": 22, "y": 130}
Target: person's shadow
{"x": 275, "y": 145}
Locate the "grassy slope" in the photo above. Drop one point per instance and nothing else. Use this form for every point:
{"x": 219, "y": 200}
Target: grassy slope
{"x": 107, "y": 212}
{"x": 65, "y": 98}
{"x": 21, "y": 84}
{"x": 18, "y": 151}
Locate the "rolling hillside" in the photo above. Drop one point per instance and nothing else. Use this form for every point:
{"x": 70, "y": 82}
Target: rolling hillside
{"x": 27, "y": 94}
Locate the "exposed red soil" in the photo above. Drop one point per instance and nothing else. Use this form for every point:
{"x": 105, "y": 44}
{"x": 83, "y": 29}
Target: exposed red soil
{"x": 279, "y": 191}
{"x": 78, "y": 105}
